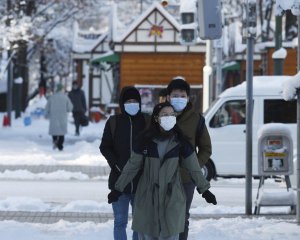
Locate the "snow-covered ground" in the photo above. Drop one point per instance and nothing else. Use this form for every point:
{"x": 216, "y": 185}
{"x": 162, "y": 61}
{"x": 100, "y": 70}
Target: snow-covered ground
{"x": 63, "y": 191}
{"x": 225, "y": 229}
{"x": 31, "y": 145}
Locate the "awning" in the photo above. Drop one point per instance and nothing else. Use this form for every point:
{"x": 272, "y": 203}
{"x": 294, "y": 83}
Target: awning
{"x": 109, "y": 57}
{"x": 231, "y": 66}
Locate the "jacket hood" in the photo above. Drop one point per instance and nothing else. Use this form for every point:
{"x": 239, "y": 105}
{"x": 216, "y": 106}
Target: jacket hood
{"x": 127, "y": 93}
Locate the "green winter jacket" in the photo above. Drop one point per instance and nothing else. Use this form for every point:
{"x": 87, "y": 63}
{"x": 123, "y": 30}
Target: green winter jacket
{"x": 192, "y": 124}
{"x": 160, "y": 202}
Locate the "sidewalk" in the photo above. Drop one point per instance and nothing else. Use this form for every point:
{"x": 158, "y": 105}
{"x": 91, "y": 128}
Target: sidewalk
{"x": 53, "y": 217}
{"x": 91, "y": 171}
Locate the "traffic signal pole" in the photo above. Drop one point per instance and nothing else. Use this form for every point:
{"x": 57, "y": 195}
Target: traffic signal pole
{"x": 298, "y": 130}
{"x": 251, "y": 33}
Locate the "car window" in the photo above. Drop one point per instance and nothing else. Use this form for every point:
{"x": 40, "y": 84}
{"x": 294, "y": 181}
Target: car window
{"x": 230, "y": 113}
{"x": 280, "y": 111}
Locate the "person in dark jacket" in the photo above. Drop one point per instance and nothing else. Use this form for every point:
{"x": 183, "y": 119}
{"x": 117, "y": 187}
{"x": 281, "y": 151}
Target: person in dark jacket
{"x": 116, "y": 146}
{"x": 79, "y": 105}
{"x": 193, "y": 125}
{"x": 159, "y": 208}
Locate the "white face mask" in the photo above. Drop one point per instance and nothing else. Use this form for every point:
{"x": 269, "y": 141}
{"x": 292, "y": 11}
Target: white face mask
{"x": 167, "y": 122}
{"x": 179, "y": 103}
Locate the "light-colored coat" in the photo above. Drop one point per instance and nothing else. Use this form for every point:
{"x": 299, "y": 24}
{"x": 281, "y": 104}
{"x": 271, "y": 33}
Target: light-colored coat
{"x": 57, "y": 109}
{"x": 160, "y": 202}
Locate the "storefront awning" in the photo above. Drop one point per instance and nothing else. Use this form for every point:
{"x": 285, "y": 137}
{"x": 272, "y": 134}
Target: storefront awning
{"x": 109, "y": 57}
{"x": 231, "y": 66}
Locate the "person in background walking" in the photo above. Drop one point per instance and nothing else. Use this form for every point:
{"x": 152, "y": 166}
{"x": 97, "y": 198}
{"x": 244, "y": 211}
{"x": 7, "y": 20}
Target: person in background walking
{"x": 57, "y": 108}
{"x": 193, "y": 125}
{"x": 160, "y": 203}
{"x": 78, "y": 100}
{"x": 118, "y": 138}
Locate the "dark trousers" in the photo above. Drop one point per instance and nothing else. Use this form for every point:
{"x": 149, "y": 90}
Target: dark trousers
{"x": 77, "y": 117}
{"x": 58, "y": 141}
{"x": 189, "y": 189}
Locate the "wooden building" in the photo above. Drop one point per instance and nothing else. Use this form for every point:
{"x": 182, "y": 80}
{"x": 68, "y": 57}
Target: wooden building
{"x": 150, "y": 55}
{"x": 289, "y": 63}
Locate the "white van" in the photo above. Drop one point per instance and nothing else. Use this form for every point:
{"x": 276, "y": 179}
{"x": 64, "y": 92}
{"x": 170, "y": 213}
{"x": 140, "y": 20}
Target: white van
{"x": 225, "y": 120}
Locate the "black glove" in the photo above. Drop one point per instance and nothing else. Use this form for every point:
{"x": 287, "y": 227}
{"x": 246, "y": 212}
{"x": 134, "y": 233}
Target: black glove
{"x": 113, "y": 196}
{"x": 209, "y": 197}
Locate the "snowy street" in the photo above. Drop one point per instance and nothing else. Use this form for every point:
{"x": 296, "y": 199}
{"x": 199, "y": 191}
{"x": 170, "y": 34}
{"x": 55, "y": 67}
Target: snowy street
{"x": 75, "y": 182}
{"x": 220, "y": 79}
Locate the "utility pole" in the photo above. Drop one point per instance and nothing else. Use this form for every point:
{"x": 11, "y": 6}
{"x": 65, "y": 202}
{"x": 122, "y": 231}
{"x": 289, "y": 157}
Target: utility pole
{"x": 295, "y": 8}
{"x": 278, "y": 63}
{"x": 219, "y": 51}
{"x": 298, "y": 129}
{"x": 251, "y": 33}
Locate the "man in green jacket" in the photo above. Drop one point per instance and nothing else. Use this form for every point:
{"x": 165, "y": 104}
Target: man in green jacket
{"x": 193, "y": 126}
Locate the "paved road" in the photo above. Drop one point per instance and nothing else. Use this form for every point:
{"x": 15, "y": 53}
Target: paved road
{"x": 53, "y": 217}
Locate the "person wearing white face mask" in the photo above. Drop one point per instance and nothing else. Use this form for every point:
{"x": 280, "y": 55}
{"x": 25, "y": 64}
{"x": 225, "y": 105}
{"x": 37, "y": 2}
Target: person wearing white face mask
{"x": 118, "y": 138}
{"x": 160, "y": 197}
{"x": 192, "y": 123}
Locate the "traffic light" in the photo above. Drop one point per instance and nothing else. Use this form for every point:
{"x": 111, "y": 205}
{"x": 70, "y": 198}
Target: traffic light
{"x": 209, "y": 19}
{"x": 200, "y": 18}
{"x": 189, "y": 28}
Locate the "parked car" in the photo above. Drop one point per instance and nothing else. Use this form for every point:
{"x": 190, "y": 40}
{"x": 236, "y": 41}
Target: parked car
{"x": 226, "y": 123}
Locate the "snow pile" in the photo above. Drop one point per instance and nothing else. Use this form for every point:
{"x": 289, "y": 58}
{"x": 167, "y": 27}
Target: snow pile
{"x": 58, "y": 175}
{"x": 276, "y": 198}
{"x": 30, "y": 204}
{"x": 36, "y": 106}
{"x": 86, "y": 206}
{"x": 290, "y": 87}
{"x": 23, "y": 204}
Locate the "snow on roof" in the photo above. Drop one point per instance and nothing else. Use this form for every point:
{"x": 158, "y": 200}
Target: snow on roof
{"x": 144, "y": 15}
{"x": 290, "y": 86}
{"x": 264, "y": 45}
{"x": 188, "y": 6}
{"x": 262, "y": 85}
{"x": 86, "y": 40}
